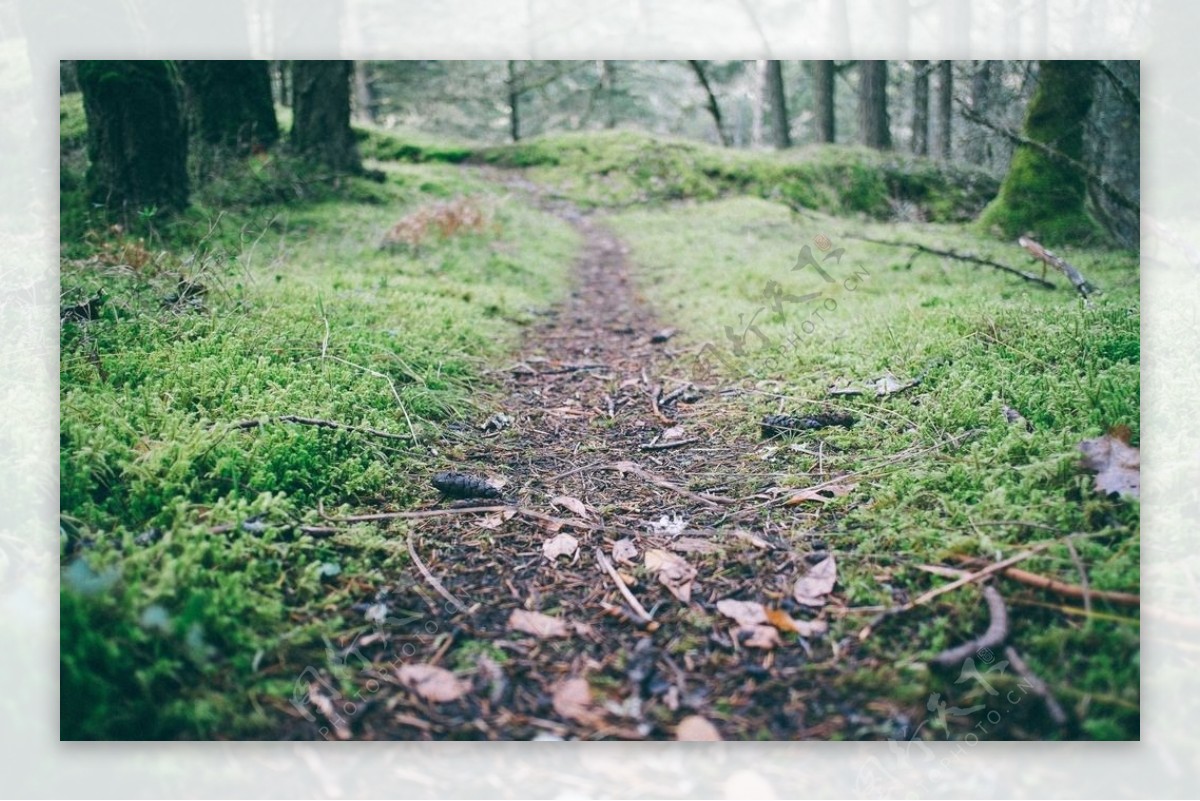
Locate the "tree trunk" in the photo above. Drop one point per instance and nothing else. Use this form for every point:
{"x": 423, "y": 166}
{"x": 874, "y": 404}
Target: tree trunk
{"x": 1041, "y": 194}
{"x": 365, "y": 102}
{"x": 759, "y": 101}
{"x": 872, "y": 105}
{"x": 608, "y": 85}
{"x": 514, "y": 103}
{"x": 283, "y": 71}
{"x": 137, "y": 138}
{"x": 713, "y": 108}
{"x": 823, "y": 89}
{"x": 321, "y": 130}
{"x": 945, "y": 108}
{"x": 780, "y": 125}
{"x": 230, "y": 102}
{"x": 920, "y": 118}
{"x": 976, "y": 149}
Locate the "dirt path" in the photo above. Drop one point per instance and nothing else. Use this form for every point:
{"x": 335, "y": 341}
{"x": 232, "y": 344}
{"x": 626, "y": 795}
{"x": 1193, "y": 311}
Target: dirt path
{"x": 609, "y": 439}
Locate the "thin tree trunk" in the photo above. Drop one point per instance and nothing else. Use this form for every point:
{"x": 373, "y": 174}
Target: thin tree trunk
{"x": 608, "y": 83}
{"x": 823, "y": 89}
{"x": 514, "y": 103}
{"x": 713, "y": 107}
{"x": 920, "y": 119}
{"x": 778, "y": 99}
{"x": 365, "y": 103}
{"x": 976, "y": 148}
{"x": 945, "y": 109}
{"x": 283, "y": 71}
{"x": 872, "y": 105}
{"x": 759, "y": 100}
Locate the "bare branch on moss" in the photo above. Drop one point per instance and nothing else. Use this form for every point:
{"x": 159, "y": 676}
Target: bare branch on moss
{"x": 950, "y": 254}
{"x": 318, "y": 423}
{"x": 1057, "y": 262}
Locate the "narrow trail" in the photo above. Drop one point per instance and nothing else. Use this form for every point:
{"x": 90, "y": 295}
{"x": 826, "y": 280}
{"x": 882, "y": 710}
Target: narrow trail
{"x": 609, "y": 439}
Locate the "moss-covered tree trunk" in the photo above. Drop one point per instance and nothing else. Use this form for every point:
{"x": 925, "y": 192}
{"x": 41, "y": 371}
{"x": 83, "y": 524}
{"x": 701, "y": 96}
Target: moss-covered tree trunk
{"x": 1043, "y": 192}
{"x": 137, "y": 138}
{"x": 823, "y": 74}
{"x": 321, "y": 126}
{"x": 780, "y": 126}
{"x": 230, "y": 102}
{"x": 872, "y": 105}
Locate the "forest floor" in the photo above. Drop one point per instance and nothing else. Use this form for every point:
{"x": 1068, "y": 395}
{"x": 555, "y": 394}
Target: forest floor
{"x": 257, "y": 414}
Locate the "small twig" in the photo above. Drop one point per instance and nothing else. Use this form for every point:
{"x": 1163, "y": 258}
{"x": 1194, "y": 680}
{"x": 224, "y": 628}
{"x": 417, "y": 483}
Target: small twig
{"x": 950, "y": 254}
{"x": 312, "y": 421}
{"x": 662, "y": 418}
{"x": 1083, "y": 577}
{"x": 433, "y": 582}
{"x": 455, "y": 510}
{"x": 666, "y": 446}
{"x": 645, "y": 616}
{"x": 1061, "y": 587}
{"x": 392, "y": 384}
{"x": 996, "y": 634}
{"x": 714, "y": 501}
{"x": 1076, "y": 278}
{"x": 1035, "y": 684}
{"x": 954, "y": 585}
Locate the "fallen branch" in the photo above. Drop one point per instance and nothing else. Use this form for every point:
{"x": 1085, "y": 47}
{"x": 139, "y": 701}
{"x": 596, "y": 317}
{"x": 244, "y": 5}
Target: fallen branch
{"x": 1060, "y": 587}
{"x": 1058, "y": 263}
{"x": 645, "y": 617}
{"x": 954, "y": 585}
{"x": 433, "y": 582}
{"x": 951, "y": 254}
{"x": 425, "y": 513}
{"x": 994, "y": 637}
{"x": 318, "y": 423}
{"x": 1036, "y": 685}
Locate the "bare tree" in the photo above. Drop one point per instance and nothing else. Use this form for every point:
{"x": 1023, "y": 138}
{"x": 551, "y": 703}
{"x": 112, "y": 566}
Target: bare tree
{"x": 945, "y": 109}
{"x": 977, "y": 148}
{"x": 713, "y": 107}
{"x": 823, "y": 90}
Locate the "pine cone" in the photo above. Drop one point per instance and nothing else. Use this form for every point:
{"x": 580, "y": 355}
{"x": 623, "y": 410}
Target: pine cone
{"x": 778, "y": 425}
{"x": 461, "y": 485}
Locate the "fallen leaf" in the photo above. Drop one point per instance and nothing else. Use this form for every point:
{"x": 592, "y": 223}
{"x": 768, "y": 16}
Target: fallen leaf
{"x": 752, "y": 538}
{"x": 745, "y": 613}
{"x": 1118, "y": 465}
{"x": 495, "y": 520}
{"x": 574, "y": 504}
{"x": 694, "y": 728}
{"x": 624, "y": 551}
{"x": 765, "y": 637}
{"x": 665, "y": 526}
{"x": 573, "y": 700}
{"x": 560, "y": 545}
{"x": 675, "y": 573}
{"x": 674, "y": 432}
{"x": 694, "y": 545}
{"x": 324, "y": 705}
{"x": 432, "y": 683}
{"x": 785, "y": 622}
{"x": 537, "y": 624}
{"x": 812, "y": 587}
{"x": 822, "y": 493}
{"x": 888, "y": 384}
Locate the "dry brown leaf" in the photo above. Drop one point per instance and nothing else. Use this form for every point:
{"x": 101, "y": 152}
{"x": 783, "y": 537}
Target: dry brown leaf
{"x": 746, "y": 613}
{"x": 1117, "y": 464}
{"x": 537, "y": 624}
{"x": 673, "y": 571}
{"x": 822, "y": 493}
{"x": 560, "y": 545}
{"x": 785, "y": 622}
{"x": 765, "y": 637}
{"x": 624, "y": 551}
{"x": 694, "y": 545}
{"x": 494, "y": 521}
{"x": 752, "y": 538}
{"x": 574, "y": 504}
{"x": 432, "y": 683}
{"x": 812, "y": 587}
{"x": 694, "y": 728}
{"x": 324, "y": 705}
{"x": 573, "y": 700}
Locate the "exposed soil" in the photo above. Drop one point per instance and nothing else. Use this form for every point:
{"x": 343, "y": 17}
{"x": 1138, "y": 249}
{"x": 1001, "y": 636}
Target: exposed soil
{"x": 594, "y": 399}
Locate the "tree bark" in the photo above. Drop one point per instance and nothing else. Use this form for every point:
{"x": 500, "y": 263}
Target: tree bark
{"x": 780, "y": 125}
{"x": 321, "y": 131}
{"x": 920, "y": 119}
{"x": 945, "y": 109}
{"x": 514, "y": 102}
{"x": 713, "y": 107}
{"x": 759, "y": 102}
{"x": 1044, "y": 193}
{"x": 365, "y": 102}
{"x": 230, "y": 102}
{"x": 872, "y": 105}
{"x": 283, "y": 71}
{"x": 608, "y": 85}
{"x": 823, "y": 89}
{"x": 137, "y": 137}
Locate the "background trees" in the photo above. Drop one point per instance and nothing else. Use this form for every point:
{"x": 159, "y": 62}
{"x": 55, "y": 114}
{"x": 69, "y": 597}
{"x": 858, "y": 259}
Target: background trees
{"x": 321, "y": 105}
{"x": 230, "y": 102}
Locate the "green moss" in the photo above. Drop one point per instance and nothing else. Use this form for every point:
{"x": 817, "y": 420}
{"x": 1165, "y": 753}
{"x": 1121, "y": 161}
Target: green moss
{"x": 1043, "y": 195}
